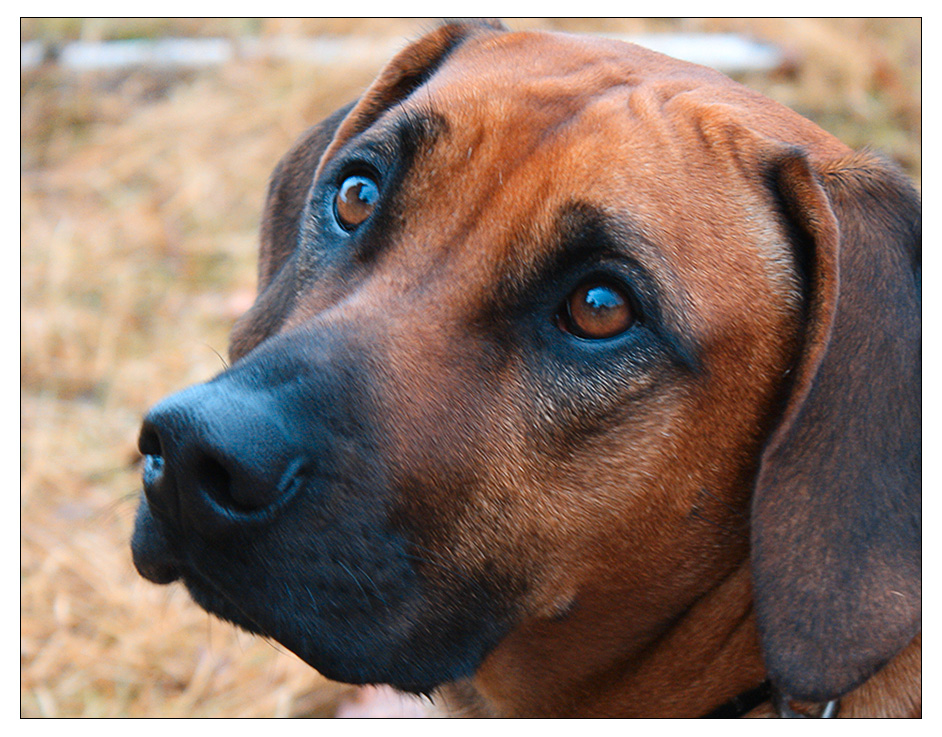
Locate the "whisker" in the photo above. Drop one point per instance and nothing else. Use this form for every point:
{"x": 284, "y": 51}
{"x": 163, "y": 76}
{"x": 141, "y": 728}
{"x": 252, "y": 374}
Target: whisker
{"x": 357, "y": 581}
{"x": 225, "y": 363}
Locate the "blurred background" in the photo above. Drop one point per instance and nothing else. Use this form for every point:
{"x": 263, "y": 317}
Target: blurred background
{"x": 141, "y": 191}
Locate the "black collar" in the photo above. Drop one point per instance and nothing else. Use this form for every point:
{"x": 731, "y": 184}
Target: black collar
{"x": 784, "y": 709}
{"x": 743, "y": 703}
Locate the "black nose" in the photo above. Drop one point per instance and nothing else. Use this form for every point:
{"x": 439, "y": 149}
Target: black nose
{"x": 217, "y": 454}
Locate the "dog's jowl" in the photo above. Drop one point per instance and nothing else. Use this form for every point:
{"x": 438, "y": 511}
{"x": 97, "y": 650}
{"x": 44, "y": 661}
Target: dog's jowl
{"x": 581, "y": 381}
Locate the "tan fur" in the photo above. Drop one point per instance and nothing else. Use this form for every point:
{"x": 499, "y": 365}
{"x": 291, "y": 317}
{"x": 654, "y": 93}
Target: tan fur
{"x": 635, "y": 548}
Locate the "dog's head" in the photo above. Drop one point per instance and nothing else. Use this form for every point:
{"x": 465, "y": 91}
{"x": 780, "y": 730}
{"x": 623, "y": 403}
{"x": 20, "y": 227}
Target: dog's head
{"x": 552, "y": 327}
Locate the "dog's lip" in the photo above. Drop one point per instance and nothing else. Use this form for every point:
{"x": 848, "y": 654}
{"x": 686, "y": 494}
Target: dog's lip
{"x": 213, "y": 600}
{"x": 155, "y": 560}
{"x": 158, "y": 572}
{"x": 151, "y": 553}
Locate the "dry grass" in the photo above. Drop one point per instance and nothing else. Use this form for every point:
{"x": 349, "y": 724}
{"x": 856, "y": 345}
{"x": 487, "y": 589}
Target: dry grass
{"x": 140, "y": 202}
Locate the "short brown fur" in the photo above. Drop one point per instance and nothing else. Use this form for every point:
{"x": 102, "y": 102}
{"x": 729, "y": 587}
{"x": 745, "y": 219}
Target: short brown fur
{"x": 669, "y": 559}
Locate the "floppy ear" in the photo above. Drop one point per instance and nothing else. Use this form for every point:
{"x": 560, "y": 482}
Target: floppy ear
{"x": 836, "y": 516}
{"x": 281, "y": 220}
{"x": 287, "y": 191}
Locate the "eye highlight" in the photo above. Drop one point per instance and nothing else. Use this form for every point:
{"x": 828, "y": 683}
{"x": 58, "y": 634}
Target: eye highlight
{"x": 596, "y": 310}
{"x": 355, "y": 200}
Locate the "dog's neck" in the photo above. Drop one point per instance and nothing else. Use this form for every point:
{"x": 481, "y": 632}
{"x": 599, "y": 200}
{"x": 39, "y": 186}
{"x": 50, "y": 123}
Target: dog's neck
{"x": 576, "y": 667}
{"x": 705, "y": 657}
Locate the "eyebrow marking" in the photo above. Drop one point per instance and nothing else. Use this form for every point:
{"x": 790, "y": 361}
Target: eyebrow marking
{"x": 394, "y": 139}
{"x": 583, "y": 237}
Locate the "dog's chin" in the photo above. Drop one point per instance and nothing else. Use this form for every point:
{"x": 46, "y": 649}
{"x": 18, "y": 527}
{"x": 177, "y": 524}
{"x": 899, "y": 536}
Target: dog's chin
{"x": 358, "y": 656}
{"x": 352, "y": 605}
{"x": 219, "y": 606}
{"x": 412, "y": 635}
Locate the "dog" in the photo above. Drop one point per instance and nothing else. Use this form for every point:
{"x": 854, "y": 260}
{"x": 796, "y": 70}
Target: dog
{"x": 581, "y": 381}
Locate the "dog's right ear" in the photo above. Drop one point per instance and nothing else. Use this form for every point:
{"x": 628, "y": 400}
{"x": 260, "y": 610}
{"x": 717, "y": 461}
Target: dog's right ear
{"x": 295, "y": 172}
{"x": 287, "y": 192}
{"x": 281, "y": 221}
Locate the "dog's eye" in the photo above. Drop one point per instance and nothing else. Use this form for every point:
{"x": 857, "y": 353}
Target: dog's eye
{"x": 596, "y": 310}
{"x": 355, "y": 200}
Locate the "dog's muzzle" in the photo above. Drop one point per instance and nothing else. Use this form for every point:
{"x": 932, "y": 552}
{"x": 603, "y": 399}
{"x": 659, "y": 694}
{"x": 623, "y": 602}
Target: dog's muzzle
{"x": 268, "y": 492}
{"x": 221, "y": 459}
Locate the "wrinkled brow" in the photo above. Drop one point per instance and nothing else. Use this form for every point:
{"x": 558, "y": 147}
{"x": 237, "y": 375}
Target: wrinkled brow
{"x": 398, "y": 134}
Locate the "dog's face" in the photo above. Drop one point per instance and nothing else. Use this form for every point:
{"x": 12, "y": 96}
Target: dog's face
{"x": 525, "y": 322}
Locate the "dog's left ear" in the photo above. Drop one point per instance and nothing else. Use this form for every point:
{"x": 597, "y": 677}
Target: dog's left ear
{"x": 836, "y": 517}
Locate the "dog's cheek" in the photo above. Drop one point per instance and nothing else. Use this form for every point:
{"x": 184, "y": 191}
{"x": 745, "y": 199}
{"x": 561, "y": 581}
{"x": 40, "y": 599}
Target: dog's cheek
{"x": 449, "y": 438}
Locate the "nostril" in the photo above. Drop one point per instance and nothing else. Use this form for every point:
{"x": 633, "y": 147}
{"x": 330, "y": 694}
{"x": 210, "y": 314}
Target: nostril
{"x": 148, "y": 442}
{"x": 153, "y": 472}
{"x": 157, "y": 487}
{"x": 214, "y": 479}
{"x": 229, "y": 485}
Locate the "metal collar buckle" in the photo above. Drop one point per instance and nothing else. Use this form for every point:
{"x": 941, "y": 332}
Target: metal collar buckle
{"x": 785, "y": 708}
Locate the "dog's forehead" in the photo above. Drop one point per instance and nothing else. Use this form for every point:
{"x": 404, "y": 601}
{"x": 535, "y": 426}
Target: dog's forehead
{"x": 566, "y": 63}
{"x": 536, "y": 122}
{"x": 528, "y": 128}
{"x": 537, "y": 83}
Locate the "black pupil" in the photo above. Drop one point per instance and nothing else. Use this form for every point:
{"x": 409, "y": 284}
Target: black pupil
{"x": 596, "y": 311}
{"x": 361, "y": 189}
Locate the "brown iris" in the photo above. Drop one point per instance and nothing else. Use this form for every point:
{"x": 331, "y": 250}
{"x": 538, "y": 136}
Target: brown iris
{"x": 596, "y": 310}
{"x": 355, "y": 200}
